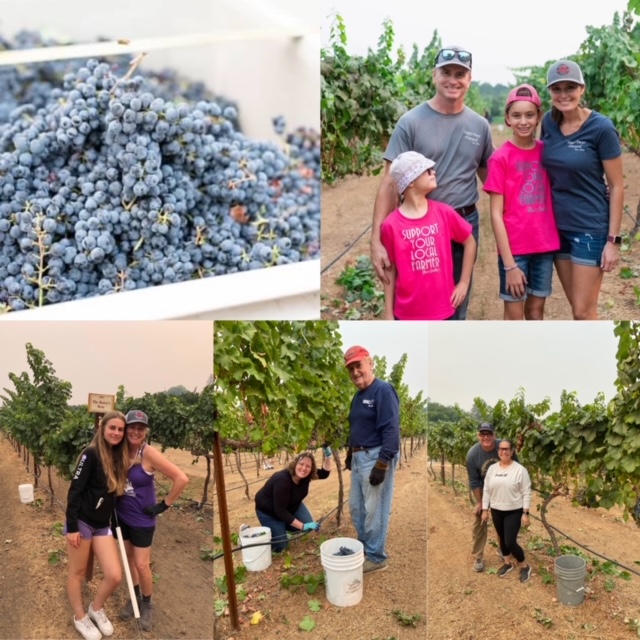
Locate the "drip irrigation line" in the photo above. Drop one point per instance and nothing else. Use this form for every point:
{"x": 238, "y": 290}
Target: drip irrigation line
{"x": 346, "y": 250}
{"x": 587, "y": 548}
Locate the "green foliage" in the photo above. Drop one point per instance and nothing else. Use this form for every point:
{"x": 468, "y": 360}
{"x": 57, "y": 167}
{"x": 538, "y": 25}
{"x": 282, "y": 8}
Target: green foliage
{"x": 361, "y": 285}
{"x": 310, "y": 581}
{"x": 314, "y": 605}
{"x": 406, "y": 619}
{"x": 307, "y": 624}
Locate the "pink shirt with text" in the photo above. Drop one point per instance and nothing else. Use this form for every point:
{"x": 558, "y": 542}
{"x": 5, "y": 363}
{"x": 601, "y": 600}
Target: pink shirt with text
{"x": 519, "y": 176}
{"x": 421, "y": 251}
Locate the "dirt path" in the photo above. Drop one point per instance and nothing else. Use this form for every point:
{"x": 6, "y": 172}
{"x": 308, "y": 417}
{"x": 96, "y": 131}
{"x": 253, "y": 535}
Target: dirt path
{"x": 464, "y": 605}
{"x": 401, "y": 587}
{"x": 33, "y": 601}
{"x": 346, "y": 213}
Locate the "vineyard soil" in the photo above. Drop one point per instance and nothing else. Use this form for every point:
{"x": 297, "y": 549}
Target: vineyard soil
{"x": 346, "y": 213}
{"x": 465, "y": 605}
{"x": 401, "y": 587}
{"x": 33, "y": 600}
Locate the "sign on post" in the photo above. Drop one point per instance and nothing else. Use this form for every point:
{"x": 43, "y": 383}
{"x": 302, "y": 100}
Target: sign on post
{"x": 101, "y": 403}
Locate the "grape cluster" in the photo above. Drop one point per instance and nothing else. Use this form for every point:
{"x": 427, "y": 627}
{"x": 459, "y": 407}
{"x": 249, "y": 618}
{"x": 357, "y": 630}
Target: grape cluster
{"x": 107, "y": 184}
{"x": 256, "y": 535}
{"x": 344, "y": 551}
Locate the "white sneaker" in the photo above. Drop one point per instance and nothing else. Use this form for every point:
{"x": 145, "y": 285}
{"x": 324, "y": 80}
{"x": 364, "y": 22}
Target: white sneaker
{"x": 101, "y": 620}
{"x": 87, "y": 629}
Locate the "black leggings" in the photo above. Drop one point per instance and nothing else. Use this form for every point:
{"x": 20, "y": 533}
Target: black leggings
{"x": 507, "y": 524}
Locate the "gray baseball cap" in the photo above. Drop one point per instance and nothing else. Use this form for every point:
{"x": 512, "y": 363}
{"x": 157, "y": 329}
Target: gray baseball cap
{"x": 137, "y": 416}
{"x": 564, "y": 71}
{"x": 453, "y": 54}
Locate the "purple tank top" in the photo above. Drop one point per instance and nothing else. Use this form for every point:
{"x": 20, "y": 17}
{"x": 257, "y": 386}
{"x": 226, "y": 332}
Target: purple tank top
{"x": 140, "y": 492}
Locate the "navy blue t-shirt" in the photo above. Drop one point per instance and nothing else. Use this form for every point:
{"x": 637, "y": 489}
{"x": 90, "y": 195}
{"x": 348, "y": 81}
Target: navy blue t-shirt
{"x": 374, "y": 419}
{"x": 576, "y": 173}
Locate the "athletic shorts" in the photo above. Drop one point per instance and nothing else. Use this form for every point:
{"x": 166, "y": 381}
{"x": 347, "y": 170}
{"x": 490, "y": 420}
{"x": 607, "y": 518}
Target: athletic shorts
{"x": 87, "y": 531}
{"x": 138, "y": 536}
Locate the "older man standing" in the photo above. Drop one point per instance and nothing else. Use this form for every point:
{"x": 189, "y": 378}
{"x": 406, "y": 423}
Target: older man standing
{"x": 480, "y": 457}
{"x": 456, "y": 138}
{"x": 374, "y": 446}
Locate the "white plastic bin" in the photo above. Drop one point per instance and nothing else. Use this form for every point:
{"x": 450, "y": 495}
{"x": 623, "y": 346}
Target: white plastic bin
{"x": 26, "y": 493}
{"x": 343, "y": 577}
{"x": 262, "y": 54}
{"x": 256, "y": 551}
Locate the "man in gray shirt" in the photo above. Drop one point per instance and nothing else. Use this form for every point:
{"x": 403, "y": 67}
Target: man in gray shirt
{"x": 480, "y": 457}
{"x": 456, "y": 138}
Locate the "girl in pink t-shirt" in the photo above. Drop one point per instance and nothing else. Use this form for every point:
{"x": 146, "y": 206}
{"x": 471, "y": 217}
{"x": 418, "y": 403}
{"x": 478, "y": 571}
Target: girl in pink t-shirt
{"x": 522, "y": 211}
{"x": 417, "y": 237}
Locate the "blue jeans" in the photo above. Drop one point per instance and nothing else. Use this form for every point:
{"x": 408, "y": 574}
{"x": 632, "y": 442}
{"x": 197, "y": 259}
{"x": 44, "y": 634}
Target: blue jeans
{"x": 538, "y": 269}
{"x": 279, "y": 528}
{"x": 371, "y": 506}
{"x": 457, "y": 251}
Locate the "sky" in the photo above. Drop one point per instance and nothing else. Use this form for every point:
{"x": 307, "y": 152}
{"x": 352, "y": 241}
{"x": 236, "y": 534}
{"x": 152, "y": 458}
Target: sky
{"x": 491, "y": 360}
{"x": 392, "y": 339}
{"x": 96, "y": 357}
{"x": 499, "y": 33}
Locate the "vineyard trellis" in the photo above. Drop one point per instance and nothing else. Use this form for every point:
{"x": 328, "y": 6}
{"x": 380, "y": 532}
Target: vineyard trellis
{"x": 590, "y": 452}
{"x": 46, "y": 431}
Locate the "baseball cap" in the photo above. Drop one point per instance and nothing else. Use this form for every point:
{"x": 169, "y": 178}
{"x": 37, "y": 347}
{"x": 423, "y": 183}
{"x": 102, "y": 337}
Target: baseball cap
{"x": 453, "y": 55}
{"x": 485, "y": 426}
{"x": 407, "y": 167}
{"x": 564, "y": 70}
{"x": 137, "y": 416}
{"x": 354, "y": 354}
{"x": 514, "y": 97}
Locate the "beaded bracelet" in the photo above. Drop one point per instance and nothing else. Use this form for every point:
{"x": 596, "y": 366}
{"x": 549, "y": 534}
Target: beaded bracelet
{"x": 515, "y": 266}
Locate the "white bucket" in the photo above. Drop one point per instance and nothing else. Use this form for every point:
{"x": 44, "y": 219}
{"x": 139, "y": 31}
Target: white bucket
{"x": 342, "y": 574}
{"x": 256, "y": 558}
{"x": 570, "y": 573}
{"x": 26, "y": 492}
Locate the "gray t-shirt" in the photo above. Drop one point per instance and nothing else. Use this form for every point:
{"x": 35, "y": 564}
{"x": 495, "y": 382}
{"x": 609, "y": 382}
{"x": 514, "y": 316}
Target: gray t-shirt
{"x": 479, "y": 460}
{"x": 458, "y": 144}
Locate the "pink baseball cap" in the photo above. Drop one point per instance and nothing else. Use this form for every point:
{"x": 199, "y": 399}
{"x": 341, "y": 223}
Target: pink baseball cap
{"x": 514, "y": 96}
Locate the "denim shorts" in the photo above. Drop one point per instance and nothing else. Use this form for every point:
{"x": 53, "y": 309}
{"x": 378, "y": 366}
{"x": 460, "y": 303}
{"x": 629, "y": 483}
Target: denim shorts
{"x": 581, "y": 248}
{"x": 537, "y": 268}
{"x": 87, "y": 531}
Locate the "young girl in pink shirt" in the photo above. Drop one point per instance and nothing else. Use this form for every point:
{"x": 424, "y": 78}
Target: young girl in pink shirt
{"x": 521, "y": 211}
{"x": 417, "y": 237}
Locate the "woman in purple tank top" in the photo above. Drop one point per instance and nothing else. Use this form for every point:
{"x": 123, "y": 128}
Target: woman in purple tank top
{"x": 138, "y": 507}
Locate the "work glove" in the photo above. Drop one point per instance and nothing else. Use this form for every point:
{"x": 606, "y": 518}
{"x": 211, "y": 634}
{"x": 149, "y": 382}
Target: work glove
{"x": 311, "y": 526}
{"x": 347, "y": 461}
{"x": 377, "y": 473}
{"x": 326, "y": 449}
{"x": 155, "y": 509}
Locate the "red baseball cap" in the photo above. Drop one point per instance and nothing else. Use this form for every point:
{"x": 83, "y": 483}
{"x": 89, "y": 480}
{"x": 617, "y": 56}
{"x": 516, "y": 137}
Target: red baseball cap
{"x": 514, "y": 97}
{"x": 355, "y": 354}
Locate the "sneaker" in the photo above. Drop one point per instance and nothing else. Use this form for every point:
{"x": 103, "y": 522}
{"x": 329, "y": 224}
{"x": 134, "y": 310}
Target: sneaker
{"x": 504, "y": 569}
{"x": 126, "y": 613}
{"x": 101, "y": 621}
{"x": 371, "y": 567}
{"x": 146, "y": 615}
{"x": 478, "y": 565}
{"x": 525, "y": 574}
{"x": 87, "y": 629}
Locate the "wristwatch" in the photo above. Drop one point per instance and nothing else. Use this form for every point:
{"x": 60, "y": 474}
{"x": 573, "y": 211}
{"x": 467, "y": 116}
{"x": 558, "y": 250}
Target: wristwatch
{"x": 614, "y": 239}
{"x": 525, "y": 513}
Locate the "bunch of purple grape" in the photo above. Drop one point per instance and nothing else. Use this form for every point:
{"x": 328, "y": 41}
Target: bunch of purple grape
{"x": 344, "y": 551}
{"x": 108, "y": 184}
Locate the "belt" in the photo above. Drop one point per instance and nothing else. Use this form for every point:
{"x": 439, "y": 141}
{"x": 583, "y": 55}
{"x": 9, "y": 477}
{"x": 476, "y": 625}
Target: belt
{"x": 465, "y": 211}
{"x": 354, "y": 449}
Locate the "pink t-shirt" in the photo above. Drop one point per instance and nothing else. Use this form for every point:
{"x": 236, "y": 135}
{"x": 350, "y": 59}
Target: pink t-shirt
{"x": 518, "y": 175}
{"x": 421, "y": 251}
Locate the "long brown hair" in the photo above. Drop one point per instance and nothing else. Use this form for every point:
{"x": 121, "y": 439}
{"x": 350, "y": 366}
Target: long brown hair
{"x": 314, "y": 469}
{"x": 114, "y": 460}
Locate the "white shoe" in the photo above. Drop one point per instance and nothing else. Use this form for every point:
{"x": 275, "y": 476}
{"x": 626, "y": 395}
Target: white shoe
{"x": 101, "y": 621}
{"x": 87, "y": 629}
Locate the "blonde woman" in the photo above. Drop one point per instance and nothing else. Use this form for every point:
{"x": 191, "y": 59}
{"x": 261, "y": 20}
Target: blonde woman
{"x": 137, "y": 509}
{"x": 100, "y": 475}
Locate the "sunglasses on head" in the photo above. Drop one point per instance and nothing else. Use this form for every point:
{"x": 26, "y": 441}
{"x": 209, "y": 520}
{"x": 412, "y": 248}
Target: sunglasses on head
{"x": 452, "y": 54}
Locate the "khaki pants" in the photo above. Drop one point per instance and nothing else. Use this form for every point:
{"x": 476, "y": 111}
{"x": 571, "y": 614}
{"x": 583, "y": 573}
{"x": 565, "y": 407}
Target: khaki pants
{"x": 479, "y": 536}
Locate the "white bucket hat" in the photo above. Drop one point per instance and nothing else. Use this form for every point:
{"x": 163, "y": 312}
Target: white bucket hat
{"x": 407, "y": 167}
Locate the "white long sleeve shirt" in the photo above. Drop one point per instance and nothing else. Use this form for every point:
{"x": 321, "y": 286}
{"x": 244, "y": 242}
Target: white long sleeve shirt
{"x": 506, "y": 488}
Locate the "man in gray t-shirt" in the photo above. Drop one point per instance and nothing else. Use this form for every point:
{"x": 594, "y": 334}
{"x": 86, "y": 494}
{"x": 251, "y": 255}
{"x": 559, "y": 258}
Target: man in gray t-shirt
{"x": 456, "y": 138}
{"x": 480, "y": 457}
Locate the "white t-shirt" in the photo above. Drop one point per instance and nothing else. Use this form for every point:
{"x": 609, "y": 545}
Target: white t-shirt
{"x": 506, "y": 488}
